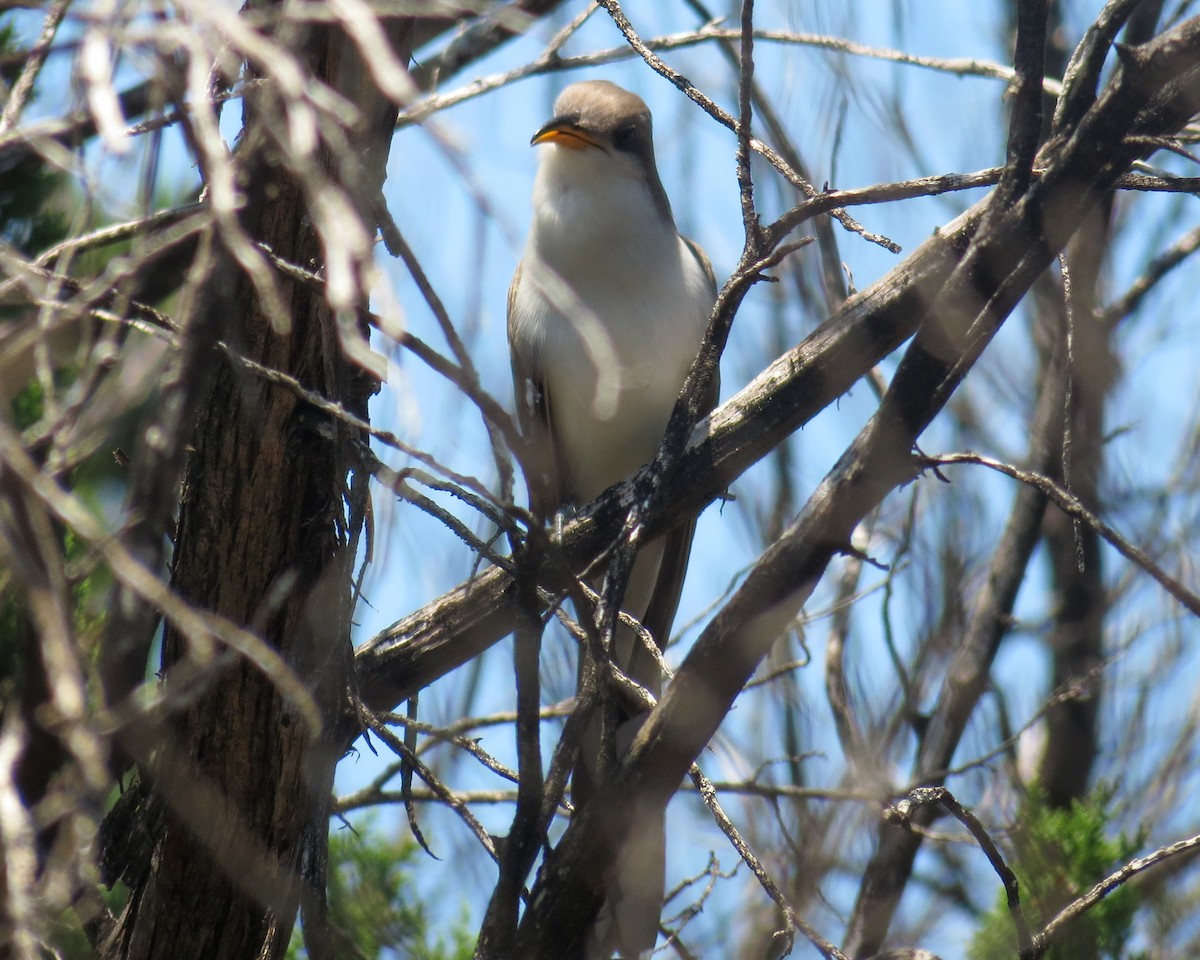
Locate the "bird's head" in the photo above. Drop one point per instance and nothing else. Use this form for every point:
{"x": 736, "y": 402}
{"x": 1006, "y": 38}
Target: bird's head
{"x": 606, "y": 131}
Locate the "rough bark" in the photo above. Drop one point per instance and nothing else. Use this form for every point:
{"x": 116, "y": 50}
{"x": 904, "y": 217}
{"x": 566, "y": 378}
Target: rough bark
{"x": 269, "y": 519}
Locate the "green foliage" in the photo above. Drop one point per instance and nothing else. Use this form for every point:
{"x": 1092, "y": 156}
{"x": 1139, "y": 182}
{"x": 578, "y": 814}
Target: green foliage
{"x": 91, "y": 584}
{"x": 27, "y": 406}
{"x": 33, "y": 195}
{"x": 90, "y": 593}
{"x": 10, "y": 623}
{"x": 374, "y": 909}
{"x": 66, "y": 938}
{"x": 29, "y": 218}
{"x": 1058, "y": 855}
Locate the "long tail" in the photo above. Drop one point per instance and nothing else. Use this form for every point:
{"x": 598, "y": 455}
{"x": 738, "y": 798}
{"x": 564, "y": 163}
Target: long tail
{"x": 629, "y": 919}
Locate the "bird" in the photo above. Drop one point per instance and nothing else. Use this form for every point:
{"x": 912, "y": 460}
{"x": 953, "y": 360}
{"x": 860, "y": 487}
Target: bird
{"x": 606, "y": 313}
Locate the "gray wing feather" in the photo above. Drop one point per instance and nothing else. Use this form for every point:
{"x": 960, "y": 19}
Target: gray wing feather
{"x": 533, "y": 413}
{"x": 705, "y": 263}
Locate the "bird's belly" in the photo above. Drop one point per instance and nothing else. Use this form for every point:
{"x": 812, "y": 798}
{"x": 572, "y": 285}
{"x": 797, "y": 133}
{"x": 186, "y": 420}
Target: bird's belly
{"x": 600, "y": 452}
{"x": 615, "y": 348}
{"x": 609, "y": 424}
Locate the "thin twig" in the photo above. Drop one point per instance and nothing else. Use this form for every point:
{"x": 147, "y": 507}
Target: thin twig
{"x": 1045, "y": 939}
{"x": 500, "y": 430}
{"x": 1124, "y": 305}
{"x": 1076, "y": 510}
{"x": 447, "y": 796}
{"x": 956, "y": 66}
{"x": 745, "y": 177}
{"x": 783, "y": 939}
{"x": 901, "y": 813}
{"x": 466, "y": 744}
{"x": 34, "y": 62}
{"x": 685, "y": 86}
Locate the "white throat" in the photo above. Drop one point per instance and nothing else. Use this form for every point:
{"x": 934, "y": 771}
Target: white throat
{"x": 594, "y": 210}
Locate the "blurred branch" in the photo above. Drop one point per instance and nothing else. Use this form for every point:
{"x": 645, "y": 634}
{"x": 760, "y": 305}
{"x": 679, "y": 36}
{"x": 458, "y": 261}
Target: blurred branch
{"x": 1125, "y": 304}
{"x": 837, "y": 691}
{"x": 376, "y": 795}
{"x": 29, "y": 144}
{"x": 462, "y": 623}
{"x": 550, "y": 62}
{"x": 1071, "y": 506}
{"x": 888, "y": 871}
{"x": 34, "y": 61}
{"x": 473, "y": 41}
{"x": 1159, "y": 87}
{"x": 500, "y": 428}
{"x": 427, "y": 74}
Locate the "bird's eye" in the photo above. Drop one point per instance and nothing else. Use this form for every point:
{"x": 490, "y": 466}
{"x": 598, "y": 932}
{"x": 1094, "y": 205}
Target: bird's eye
{"x": 625, "y": 137}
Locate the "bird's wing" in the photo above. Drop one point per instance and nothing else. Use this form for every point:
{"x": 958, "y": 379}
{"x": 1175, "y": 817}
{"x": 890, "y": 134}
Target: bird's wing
{"x": 705, "y": 264}
{"x": 533, "y": 411}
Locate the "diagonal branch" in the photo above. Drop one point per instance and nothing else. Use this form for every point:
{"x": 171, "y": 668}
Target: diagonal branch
{"x": 458, "y": 626}
{"x": 1159, "y": 86}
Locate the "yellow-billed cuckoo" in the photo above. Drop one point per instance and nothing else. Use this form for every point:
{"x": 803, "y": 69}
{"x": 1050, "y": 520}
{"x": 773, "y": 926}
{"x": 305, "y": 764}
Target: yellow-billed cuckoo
{"x": 606, "y": 313}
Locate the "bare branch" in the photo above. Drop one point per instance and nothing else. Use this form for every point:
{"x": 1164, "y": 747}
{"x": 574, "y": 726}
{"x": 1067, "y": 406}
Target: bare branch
{"x": 901, "y": 813}
{"x": 19, "y": 94}
{"x": 1045, "y": 939}
{"x": 1071, "y": 506}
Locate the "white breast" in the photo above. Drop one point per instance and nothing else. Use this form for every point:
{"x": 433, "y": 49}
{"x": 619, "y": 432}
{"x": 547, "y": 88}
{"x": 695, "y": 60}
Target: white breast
{"x": 616, "y": 305}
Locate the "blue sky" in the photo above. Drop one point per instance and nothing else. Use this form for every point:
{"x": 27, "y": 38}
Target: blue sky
{"x": 466, "y": 221}
{"x": 470, "y": 253}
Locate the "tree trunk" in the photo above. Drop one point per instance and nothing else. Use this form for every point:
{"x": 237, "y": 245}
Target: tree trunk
{"x": 272, "y": 509}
